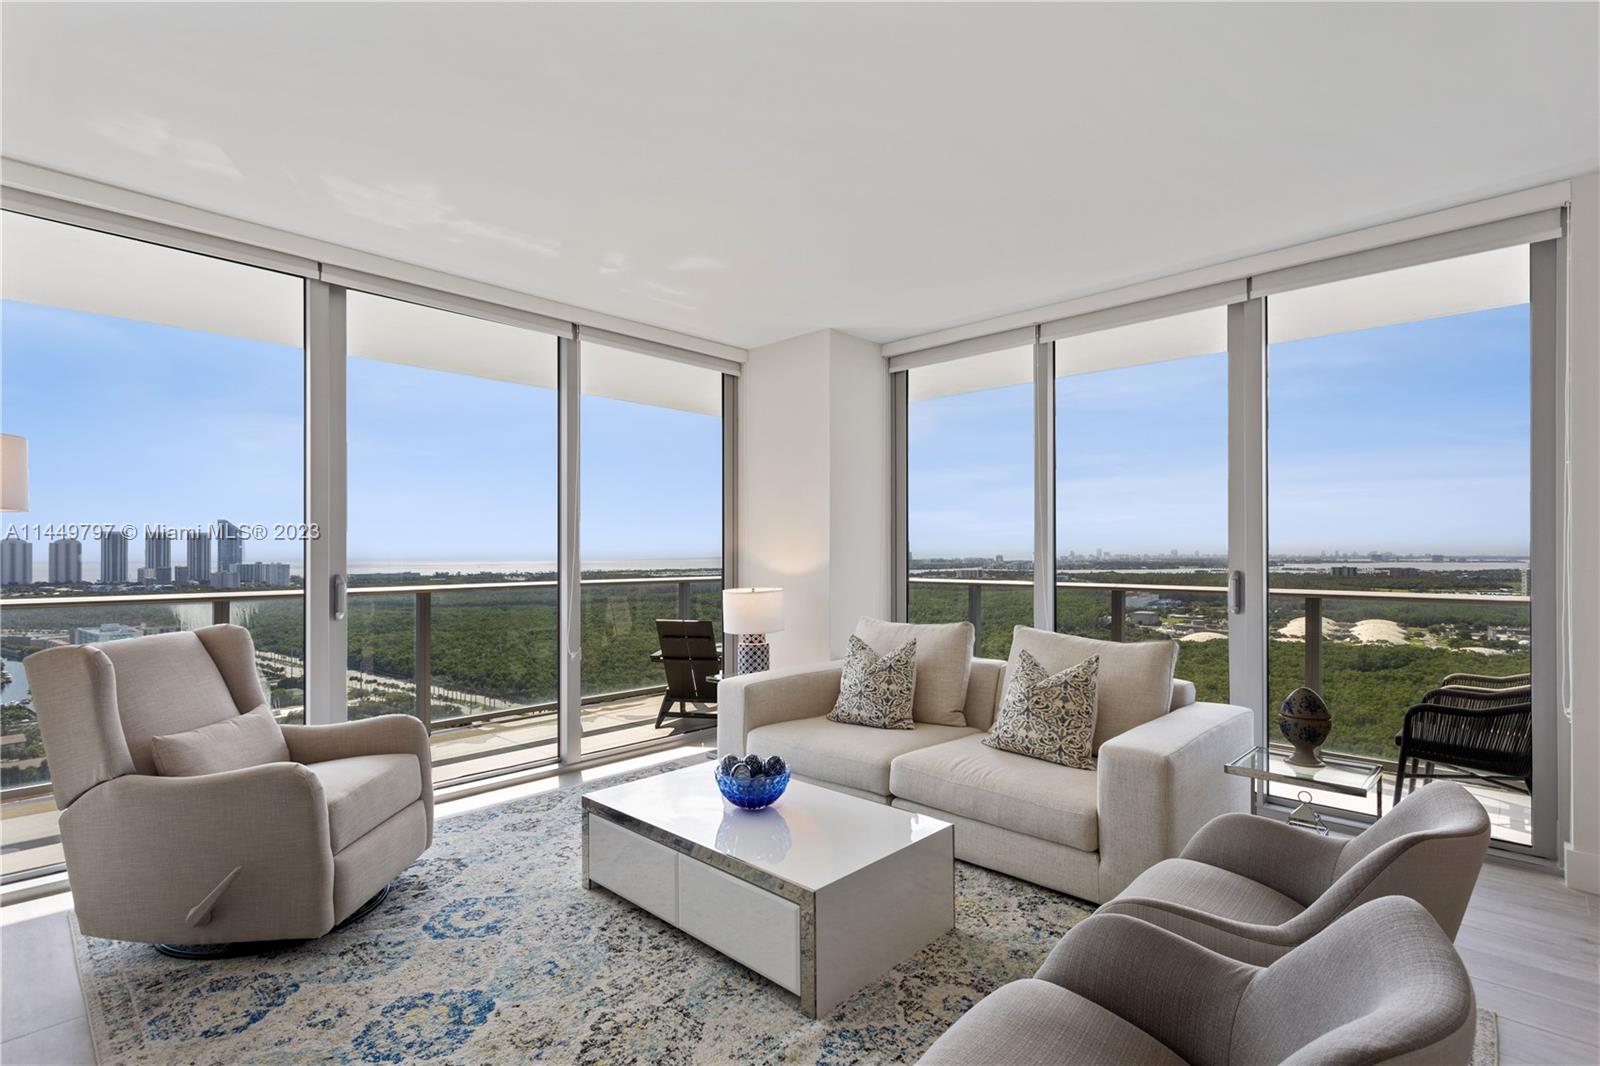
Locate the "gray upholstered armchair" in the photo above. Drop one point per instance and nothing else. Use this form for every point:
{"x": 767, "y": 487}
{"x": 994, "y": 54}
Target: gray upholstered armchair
{"x": 305, "y": 826}
{"x": 1379, "y": 985}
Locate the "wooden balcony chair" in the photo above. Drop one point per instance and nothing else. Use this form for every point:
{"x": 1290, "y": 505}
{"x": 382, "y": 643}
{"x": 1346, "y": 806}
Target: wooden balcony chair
{"x": 690, "y": 656}
{"x": 1479, "y": 725}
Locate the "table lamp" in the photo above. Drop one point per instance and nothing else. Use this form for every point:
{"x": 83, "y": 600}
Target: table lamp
{"x": 752, "y": 613}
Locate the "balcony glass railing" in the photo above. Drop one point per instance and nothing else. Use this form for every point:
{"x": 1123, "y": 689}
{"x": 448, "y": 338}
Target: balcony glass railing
{"x": 475, "y": 661}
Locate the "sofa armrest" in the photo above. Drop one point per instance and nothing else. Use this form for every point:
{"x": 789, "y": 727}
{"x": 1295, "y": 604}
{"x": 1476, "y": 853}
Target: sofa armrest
{"x": 1158, "y": 783}
{"x": 147, "y": 856}
{"x": 387, "y": 734}
{"x": 1183, "y": 694}
{"x": 749, "y": 701}
{"x": 1182, "y": 994}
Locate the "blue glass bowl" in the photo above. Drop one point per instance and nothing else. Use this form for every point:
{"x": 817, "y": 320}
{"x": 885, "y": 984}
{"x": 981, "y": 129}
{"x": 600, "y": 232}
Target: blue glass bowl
{"x": 752, "y": 793}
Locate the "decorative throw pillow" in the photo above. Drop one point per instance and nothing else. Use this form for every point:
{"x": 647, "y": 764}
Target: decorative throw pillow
{"x": 944, "y": 664}
{"x": 1133, "y": 686}
{"x": 877, "y": 690}
{"x": 1048, "y": 716}
{"x": 250, "y": 739}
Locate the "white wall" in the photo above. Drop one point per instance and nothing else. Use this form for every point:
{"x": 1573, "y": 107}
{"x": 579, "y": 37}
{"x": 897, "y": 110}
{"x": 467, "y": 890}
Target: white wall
{"x": 814, "y": 487}
{"x": 1583, "y": 531}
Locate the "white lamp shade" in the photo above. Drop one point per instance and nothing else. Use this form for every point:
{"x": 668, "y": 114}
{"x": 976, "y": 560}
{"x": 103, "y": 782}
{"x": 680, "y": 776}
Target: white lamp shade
{"x": 13, "y": 472}
{"x": 752, "y": 610}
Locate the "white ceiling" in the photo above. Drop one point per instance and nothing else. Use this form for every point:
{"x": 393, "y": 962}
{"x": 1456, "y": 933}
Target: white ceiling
{"x": 749, "y": 173}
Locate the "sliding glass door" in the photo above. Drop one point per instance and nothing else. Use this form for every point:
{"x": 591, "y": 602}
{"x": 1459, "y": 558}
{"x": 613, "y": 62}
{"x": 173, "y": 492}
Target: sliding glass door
{"x": 1141, "y": 516}
{"x": 451, "y": 543}
{"x": 1399, "y": 517}
{"x": 969, "y": 460}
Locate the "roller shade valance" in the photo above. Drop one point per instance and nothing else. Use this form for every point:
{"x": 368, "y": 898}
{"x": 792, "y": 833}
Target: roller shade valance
{"x": 1177, "y": 303}
{"x": 944, "y": 353}
{"x": 591, "y": 335}
{"x": 445, "y": 301}
{"x": 1505, "y": 233}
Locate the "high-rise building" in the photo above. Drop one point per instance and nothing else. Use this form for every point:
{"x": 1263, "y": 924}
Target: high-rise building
{"x": 66, "y": 561}
{"x": 199, "y": 556}
{"x": 16, "y": 561}
{"x": 230, "y": 546}
{"x": 113, "y": 557}
{"x": 180, "y": 575}
{"x": 273, "y": 575}
{"x": 158, "y": 550}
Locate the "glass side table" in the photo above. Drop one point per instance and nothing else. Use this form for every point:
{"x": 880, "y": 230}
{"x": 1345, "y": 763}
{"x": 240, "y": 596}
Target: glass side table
{"x": 1339, "y": 773}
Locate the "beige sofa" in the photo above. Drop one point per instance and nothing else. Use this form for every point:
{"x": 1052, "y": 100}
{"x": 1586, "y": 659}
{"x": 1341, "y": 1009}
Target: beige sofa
{"x": 1088, "y": 833}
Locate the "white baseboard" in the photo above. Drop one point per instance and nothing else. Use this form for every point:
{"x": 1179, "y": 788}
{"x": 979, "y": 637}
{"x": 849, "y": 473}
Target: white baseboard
{"x": 1583, "y": 870}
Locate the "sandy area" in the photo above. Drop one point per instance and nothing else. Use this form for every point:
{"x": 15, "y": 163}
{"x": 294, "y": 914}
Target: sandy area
{"x": 1203, "y": 638}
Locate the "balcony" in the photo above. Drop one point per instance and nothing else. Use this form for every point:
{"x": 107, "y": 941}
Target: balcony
{"x": 413, "y": 650}
{"x": 1371, "y": 653}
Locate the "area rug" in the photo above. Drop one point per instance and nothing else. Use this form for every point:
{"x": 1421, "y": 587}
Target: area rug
{"x": 489, "y": 950}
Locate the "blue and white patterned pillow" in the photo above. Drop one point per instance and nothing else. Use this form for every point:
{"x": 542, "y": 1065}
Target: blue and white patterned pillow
{"x": 1051, "y": 716}
{"x": 876, "y": 690}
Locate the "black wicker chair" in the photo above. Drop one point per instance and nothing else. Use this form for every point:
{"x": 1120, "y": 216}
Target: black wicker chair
{"x": 690, "y": 656}
{"x": 1479, "y": 725}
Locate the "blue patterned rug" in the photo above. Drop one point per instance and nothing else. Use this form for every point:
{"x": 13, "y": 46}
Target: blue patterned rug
{"x": 489, "y": 950}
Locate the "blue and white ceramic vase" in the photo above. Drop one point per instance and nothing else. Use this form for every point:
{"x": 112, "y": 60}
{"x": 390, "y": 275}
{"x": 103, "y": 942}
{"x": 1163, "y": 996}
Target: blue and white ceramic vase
{"x": 1305, "y": 723}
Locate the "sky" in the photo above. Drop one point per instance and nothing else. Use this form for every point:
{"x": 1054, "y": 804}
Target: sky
{"x": 1405, "y": 438}
{"x": 1408, "y": 438}
{"x": 133, "y": 422}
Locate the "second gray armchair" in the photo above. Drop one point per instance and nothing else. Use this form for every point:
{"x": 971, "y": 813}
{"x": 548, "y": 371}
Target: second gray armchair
{"x": 1380, "y": 985}
{"x": 1252, "y": 888}
{"x": 293, "y": 837}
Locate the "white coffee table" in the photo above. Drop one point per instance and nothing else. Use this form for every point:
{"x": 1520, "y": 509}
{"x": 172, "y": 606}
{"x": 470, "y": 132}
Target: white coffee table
{"x": 819, "y": 893}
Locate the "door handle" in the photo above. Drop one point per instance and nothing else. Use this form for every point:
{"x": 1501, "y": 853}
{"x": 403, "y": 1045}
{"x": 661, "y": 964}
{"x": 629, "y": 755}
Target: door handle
{"x": 336, "y": 596}
{"x": 1236, "y": 592}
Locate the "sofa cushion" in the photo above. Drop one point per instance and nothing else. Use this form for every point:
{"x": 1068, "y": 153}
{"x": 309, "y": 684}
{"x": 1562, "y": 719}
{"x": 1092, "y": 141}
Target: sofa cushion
{"x": 944, "y": 663}
{"x": 1135, "y": 681}
{"x": 365, "y": 791}
{"x": 1212, "y": 890}
{"x": 1048, "y": 717}
{"x": 252, "y": 739}
{"x": 875, "y": 690}
{"x": 1029, "y": 796}
{"x": 1036, "y": 1023}
{"x": 830, "y": 753}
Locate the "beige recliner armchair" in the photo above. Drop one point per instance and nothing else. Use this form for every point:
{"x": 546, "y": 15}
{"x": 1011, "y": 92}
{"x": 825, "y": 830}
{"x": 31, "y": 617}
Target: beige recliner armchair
{"x": 276, "y": 851}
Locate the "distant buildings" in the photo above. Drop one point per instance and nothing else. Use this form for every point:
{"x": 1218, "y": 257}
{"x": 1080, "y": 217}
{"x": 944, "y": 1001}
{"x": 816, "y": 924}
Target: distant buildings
{"x": 1345, "y": 571}
{"x": 16, "y": 561}
{"x": 199, "y": 556}
{"x": 273, "y": 575}
{"x": 113, "y": 557}
{"x": 180, "y": 576}
{"x": 108, "y": 631}
{"x": 66, "y": 561}
{"x": 230, "y": 546}
{"x": 158, "y": 552}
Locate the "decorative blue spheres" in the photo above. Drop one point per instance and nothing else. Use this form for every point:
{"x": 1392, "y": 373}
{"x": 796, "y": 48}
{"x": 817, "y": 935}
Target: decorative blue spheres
{"x": 752, "y": 782}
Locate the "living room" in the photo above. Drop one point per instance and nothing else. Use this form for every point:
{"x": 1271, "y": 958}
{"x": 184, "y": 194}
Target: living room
{"x": 807, "y": 533}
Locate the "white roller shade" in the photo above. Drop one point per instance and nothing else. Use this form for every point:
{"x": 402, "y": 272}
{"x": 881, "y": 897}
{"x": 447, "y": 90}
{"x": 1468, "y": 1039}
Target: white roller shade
{"x": 990, "y": 370}
{"x": 1177, "y": 303}
{"x": 1412, "y": 294}
{"x": 58, "y": 265}
{"x": 605, "y": 337}
{"x": 944, "y": 353}
{"x": 1154, "y": 341}
{"x": 619, "y": 374}
{"x": 396, "y": 331}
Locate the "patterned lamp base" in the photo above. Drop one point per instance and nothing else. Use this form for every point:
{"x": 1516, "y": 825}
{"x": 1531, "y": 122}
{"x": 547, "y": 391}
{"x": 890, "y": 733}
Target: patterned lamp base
{"x": 755, "y": 654}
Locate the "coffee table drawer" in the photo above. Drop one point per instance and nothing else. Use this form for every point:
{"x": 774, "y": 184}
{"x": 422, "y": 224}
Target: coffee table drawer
{"x": 634, "y": 868}
{"x": 745, "y": 923}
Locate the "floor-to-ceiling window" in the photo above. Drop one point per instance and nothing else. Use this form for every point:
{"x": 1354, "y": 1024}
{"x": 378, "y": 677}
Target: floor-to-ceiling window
{"x": 651, "y": 535}
{"x": 1141, "y": 519}
{"x": 161, "y": 394}
{"x": 969, "y": 490}
{"x": 1399, "y": 495}
{"x": 451, "y": 542}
